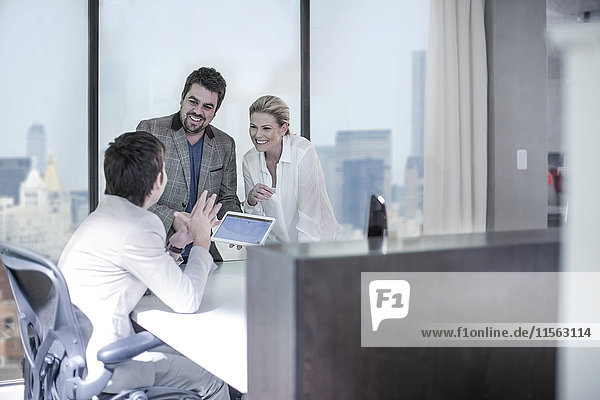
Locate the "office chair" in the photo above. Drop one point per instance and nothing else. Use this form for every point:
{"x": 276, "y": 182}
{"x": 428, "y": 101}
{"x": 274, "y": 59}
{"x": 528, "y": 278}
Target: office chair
{"x": 54, "y": 335}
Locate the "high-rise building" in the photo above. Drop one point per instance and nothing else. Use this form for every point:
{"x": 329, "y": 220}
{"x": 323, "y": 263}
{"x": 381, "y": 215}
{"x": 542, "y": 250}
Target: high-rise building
{"x": 360, "y": 179}
{"x": 42, "y": 220}
{"x": 37, "y": 147}
{"x": 7, "y": 216}
{"x": 30, "y": 228}
{"x": 59, "y": 209}
{"x": 418, "y": 108}
{"x": 79, "y": 206}
{"x": 13, "y": 171}
{"x": 412, "y": 196}
{"x": 363, "y": 166}
{"x": 397, "y": 199}
{"x": 414, "y": 168}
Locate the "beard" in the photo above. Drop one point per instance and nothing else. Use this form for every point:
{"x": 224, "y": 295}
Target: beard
{"x": 193, "y": 127}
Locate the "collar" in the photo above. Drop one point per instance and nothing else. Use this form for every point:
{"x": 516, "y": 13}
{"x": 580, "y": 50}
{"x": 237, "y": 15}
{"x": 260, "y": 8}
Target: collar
{"x": 177, "y": 125}
{"x": 286, "y": 153}
{"x": 112, "y": 199}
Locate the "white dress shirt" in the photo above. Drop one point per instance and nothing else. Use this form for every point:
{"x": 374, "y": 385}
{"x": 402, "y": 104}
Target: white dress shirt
{"x": 300, "y": 203}
{"x": 112, "y": 258}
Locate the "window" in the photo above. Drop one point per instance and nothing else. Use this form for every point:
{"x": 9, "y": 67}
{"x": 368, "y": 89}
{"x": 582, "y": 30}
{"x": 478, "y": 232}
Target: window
{"x": 145, "y": 60}
{"x": 367, "y": 91}
{"x": 145, "y": 54}
{"x": 43, "y": 157}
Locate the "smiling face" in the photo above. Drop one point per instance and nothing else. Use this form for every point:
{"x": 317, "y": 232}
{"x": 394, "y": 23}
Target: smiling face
{"x": 198, "y": 108}
{"x": 266, "y": 133}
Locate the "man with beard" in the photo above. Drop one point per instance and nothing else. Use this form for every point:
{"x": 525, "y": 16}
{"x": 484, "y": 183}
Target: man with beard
{"x": 198, "y": 156}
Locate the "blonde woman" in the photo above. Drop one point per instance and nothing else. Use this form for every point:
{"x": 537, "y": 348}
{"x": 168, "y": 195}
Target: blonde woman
{"x": 283, "y": 177}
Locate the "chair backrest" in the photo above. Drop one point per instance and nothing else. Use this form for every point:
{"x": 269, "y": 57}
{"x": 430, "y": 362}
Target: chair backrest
{"x": 54, "y": 363}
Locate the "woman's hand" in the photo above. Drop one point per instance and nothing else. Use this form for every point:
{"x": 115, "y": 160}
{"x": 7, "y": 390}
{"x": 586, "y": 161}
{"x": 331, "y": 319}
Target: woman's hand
{"x": 259, "y": 193}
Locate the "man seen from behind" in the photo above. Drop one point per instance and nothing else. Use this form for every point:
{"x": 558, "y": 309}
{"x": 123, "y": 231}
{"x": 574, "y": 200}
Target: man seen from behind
{"x": 118, "y": 252}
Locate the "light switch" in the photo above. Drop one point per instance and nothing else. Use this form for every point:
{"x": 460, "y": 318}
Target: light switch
{"x": 522, "y": 159}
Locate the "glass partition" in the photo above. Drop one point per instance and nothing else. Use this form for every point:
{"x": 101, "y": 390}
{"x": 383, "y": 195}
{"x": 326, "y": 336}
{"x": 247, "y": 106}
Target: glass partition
{"x": 367, "y": 91}
{"x": 146, "y": 53}
{"x": 43, "y": 156}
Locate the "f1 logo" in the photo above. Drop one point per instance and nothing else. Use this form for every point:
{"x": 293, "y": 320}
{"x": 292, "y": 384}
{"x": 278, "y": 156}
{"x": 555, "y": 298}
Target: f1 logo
{"x": 389, "y": 299}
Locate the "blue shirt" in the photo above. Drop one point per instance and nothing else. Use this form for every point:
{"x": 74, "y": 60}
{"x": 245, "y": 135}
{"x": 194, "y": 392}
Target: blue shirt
{"x": 195, "y": 161}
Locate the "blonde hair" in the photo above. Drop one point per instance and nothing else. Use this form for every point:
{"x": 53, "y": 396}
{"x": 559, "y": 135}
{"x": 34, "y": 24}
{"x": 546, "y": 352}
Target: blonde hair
{"x": 274, "y": 106}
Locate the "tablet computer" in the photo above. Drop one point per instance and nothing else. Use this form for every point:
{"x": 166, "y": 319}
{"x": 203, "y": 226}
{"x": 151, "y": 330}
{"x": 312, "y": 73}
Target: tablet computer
{"x": 243, "y": 229}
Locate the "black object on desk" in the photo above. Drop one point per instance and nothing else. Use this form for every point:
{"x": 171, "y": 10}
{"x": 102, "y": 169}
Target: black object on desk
{"x": 377, "y": 218}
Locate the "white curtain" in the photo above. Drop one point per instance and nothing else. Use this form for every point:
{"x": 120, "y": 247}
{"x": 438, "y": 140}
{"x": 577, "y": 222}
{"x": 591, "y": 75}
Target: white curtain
{"x": 455, "y": 175}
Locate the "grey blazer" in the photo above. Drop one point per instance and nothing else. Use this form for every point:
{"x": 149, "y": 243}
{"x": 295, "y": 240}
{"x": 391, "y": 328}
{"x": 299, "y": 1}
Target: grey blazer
{"x": 217, "y": 170}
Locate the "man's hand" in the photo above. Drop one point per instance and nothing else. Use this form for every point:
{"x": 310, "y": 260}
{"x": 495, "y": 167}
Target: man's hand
{"x": 182, "y": 237}
{"x": 202, "y": 218}
{"x": 259, "y": 193}
{"x": 177, "y": 223}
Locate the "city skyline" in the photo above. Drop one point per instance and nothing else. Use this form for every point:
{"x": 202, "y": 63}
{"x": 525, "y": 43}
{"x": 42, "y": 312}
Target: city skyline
{"x": 36, "y": 211}
{"x": 40, "y": 217}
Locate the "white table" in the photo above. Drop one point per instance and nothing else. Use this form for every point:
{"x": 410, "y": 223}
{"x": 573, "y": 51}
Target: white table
{"x": 215, "y": 337}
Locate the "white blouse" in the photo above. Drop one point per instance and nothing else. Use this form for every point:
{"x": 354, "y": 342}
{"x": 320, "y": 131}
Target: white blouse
{"x": 300, "y": 203}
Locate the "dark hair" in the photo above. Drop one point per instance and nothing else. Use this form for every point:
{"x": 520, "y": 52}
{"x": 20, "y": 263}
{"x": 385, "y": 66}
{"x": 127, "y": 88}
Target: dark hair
{"x": 131, "y": 164}
{"x": 210, "y": 79}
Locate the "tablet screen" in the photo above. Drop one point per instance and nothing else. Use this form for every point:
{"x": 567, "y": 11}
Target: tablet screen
{"x": 240, "y": 228}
